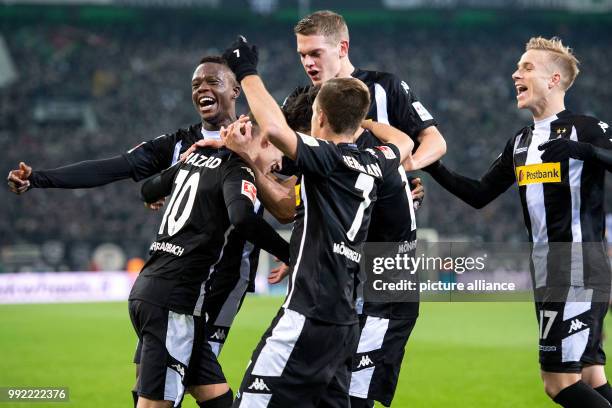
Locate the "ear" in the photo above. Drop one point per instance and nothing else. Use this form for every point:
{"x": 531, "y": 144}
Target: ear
{"x": 236, "y": 91}
{"x": 344, "y": 48}
{"x": 554, "y": 81}
{"x": 322, "y": 118}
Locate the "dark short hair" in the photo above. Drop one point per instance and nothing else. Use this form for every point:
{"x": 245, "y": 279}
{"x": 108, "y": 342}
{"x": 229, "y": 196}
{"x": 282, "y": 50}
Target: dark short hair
{"x": 217, "y": 59}
{"x": 298, "y": 108}
{"x": 345, "y": 102}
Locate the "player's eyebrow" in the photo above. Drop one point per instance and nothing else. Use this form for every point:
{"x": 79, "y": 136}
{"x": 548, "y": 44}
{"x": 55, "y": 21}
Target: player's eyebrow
{"x": 310, "y": 52}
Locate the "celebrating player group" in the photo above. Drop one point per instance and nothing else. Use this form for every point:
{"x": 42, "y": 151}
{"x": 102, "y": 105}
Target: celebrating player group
{"x": 334, "y": 160}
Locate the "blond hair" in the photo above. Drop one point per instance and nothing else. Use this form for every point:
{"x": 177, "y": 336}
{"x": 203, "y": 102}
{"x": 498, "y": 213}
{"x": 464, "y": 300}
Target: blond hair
{"x": 562, "y": 56}
{"x": 326, "y": 23}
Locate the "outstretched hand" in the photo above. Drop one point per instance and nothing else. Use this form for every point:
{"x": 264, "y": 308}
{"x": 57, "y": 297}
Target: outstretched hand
{"x": 18, "y": 182}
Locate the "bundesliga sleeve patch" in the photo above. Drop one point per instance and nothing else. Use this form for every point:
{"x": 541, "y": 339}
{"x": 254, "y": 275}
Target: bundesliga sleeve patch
{"x": 249, "y": 190}
{"x": 421, "y": 111}
{"x": 387, "y": 151}
{"x": 309, "y": 140}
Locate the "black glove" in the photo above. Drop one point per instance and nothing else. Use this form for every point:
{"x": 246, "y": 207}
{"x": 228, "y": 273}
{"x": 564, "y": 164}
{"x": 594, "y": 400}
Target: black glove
{"x": 560, "y": 149}
{"x": 242, "y": 58}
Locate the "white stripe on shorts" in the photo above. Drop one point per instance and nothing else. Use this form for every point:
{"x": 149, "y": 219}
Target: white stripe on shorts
{"x": 360, "y": 382}
{"x": 572, "y": 347}
{"x": 372, "y": 334}
{"x": 273, "y": 357}
{"x": 179, "y": 343}
{"x": 250, "y": 400}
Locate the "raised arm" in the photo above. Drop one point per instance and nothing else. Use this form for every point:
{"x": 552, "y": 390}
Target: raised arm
{"x": 242, "y": 59}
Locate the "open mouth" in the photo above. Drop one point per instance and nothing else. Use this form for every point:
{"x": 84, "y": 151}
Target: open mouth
{"x": 313, "y": 73}
{"x": 275, "y": 167}
{"x": 520, "y": 90}
{"x": 207, "y": 103}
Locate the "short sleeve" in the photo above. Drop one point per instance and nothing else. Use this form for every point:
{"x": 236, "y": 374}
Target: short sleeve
{"x": 406, "y": 112}
{"x": 149, "y": 158}
{"x": 316, "y": 156}
{"x": 238, "y": 183}
{"x": 388, "y": 156}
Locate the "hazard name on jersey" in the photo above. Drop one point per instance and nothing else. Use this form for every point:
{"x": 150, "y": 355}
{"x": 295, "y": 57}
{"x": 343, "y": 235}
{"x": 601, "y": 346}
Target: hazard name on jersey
{"x": 199, "y": 160}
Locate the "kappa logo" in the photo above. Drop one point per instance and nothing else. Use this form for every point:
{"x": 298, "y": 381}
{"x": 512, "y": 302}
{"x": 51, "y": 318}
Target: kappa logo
{"x": 259, "y": 385}
{"x": 405, "y": 86}
{"x": 365, "y": 361}
{"x": 179, "y": 369}
{"x": 604, "y": 126}
{"x": 219, "y": 335}
{"x": 248, "y": 169}
{"x": 576, "y": 325}
{"x": 561, "y": 131}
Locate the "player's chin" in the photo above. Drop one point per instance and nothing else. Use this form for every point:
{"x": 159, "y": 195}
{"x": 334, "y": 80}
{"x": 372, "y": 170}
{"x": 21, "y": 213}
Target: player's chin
{"x": 212, "y": 116}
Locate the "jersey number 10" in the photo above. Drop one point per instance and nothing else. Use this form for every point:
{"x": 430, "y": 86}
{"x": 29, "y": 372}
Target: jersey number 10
{"x": 174, "y": 221}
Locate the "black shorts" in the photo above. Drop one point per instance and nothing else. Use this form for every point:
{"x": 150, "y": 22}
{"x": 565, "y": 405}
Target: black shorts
{"x": 172, "y": 352}
{"x": 221, "y": 305}
{"x": 377, "y": 362}
{"x": 570, "y": 335}
{"x": 299, "y": 363}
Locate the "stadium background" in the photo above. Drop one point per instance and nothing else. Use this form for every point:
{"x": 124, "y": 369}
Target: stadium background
{"x": 89, "y": 79}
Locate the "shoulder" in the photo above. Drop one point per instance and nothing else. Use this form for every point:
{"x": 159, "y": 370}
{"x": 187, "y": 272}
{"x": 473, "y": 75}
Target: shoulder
{"x": 586, "y": 126}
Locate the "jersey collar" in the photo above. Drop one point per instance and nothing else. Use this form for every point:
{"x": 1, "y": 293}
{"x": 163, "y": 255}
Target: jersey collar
{"x": 211, "y": 134}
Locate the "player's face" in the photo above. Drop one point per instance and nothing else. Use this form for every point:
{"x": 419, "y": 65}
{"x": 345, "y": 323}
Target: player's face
{"x": 533, "y": 80}
{"x": 320, "y": 59}
{"x": 268, "y": 157}
{"x": 214, "y": 93}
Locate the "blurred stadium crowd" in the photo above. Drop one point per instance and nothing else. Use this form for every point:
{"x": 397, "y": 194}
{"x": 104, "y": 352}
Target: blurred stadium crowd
{"x": 95, "y": 92}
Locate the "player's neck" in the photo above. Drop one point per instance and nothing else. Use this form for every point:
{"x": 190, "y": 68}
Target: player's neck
{"x": 548, "y": 108}
{"x": 217, "y": 125}
{"x": 346, "y": 68}
{"x": 336, "y": 138}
